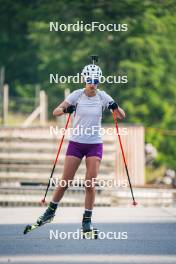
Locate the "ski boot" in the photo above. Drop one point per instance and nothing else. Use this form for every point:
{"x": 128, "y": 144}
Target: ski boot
{"x": 87, "y": 230}
{"x": 47, "y": 217}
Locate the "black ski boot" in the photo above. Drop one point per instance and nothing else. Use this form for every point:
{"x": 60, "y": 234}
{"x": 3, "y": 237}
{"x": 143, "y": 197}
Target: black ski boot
{"x": 48, "y": 215}
{"x": 87, "y": 229}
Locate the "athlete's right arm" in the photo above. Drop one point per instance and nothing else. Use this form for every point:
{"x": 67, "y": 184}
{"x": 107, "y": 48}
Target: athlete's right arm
{"x": 59, "y": 110}
{"x": 69, "y": 104}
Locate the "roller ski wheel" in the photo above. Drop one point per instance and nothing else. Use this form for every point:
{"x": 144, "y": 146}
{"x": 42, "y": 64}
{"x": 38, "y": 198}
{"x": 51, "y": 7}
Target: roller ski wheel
{"x": 29, "y": 228}
{"x": 92, "y": 234}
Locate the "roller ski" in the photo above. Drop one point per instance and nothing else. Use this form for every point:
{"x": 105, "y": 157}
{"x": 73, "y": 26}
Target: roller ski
{"x": 87, "y": 230}
{"x": 47, "y": 217}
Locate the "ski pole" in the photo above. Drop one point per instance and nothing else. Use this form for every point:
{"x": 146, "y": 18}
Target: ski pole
{"x": 124, "y": 159}
{"x": 56, "y": 159}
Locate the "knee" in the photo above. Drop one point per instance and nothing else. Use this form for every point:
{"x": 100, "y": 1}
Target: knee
{"x": 63, "y": 185}
{"x": 90, "y": 189}
{"x": 89, "y": 185}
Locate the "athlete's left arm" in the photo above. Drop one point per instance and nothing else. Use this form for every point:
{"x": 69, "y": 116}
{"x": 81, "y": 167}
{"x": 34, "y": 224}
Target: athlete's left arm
{"x": 113, "y": 106}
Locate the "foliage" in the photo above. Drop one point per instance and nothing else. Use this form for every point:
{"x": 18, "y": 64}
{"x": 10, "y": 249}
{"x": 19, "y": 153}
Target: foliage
{"x": 145, "y": 53}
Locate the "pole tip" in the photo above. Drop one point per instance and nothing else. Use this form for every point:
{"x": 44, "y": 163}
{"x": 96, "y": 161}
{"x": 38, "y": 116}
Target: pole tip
{"x": 43, "y": 202}
{"x": 134, "y": 203}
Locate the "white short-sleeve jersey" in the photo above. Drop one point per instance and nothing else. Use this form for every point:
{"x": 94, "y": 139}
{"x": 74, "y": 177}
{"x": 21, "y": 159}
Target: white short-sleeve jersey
{"x": 88, "y": 116}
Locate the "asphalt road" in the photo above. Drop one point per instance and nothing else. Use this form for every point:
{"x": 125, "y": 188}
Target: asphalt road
{"x": 141, "y": 235}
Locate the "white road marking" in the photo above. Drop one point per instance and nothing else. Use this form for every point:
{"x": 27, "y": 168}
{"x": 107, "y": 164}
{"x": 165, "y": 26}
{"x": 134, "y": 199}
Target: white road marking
{"x": 90, "y": 258}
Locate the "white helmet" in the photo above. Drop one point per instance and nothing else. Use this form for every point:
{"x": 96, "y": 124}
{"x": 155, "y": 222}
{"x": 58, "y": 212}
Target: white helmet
{"x": 91, "y": 71}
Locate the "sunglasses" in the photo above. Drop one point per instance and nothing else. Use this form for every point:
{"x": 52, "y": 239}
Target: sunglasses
{"x": 92, "y": 81}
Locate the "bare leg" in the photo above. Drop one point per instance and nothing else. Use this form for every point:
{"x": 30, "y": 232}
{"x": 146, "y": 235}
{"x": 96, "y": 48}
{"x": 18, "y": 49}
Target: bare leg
{"x": 71, "y": 165}
{"x": 92, "y": 164}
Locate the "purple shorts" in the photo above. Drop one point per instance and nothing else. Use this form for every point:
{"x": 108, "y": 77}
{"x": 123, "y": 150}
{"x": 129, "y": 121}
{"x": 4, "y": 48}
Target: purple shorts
{"x": 80, "y": 150}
